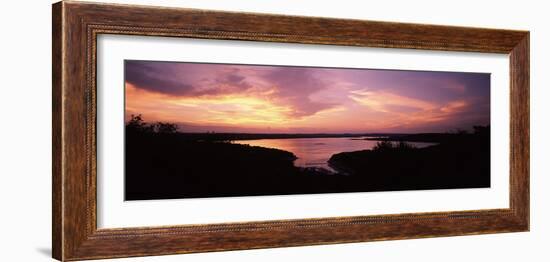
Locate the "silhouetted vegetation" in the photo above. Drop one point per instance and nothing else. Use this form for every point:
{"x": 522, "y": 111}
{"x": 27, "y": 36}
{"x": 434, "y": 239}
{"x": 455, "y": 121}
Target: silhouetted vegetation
{"x": 163, "y": 163}
{"x": 137, "y": 125}
{"x": 459, "y": 160}
{"x": 388, "y": 146}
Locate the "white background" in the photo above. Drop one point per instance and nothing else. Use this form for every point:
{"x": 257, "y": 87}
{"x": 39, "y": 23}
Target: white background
{"x": 114, "y": 212}
{"x": 25, "y": 147}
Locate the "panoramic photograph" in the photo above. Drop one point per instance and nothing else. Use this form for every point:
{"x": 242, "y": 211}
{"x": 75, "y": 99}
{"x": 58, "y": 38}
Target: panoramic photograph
{"x": 198, "y": 130}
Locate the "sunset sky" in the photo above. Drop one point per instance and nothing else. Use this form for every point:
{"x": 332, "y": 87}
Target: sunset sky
{"x": 282, "y": 99}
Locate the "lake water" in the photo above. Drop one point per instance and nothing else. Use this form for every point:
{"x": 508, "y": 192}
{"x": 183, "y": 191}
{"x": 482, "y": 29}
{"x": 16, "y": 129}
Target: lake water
{"x": 315, "y": 152}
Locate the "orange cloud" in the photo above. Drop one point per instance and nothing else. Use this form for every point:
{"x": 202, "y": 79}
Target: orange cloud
{"x": 381, "y": 101}
{"x": 231, "y": 110}
{"x": 372, "y": 110}
{"x": 416, "y": 112}
{"x": 226, "y": 97}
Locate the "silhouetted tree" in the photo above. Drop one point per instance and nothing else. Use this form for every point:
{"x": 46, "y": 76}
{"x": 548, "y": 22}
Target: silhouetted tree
{"x": 137, "y": 125}
{"x": 165, "y": 128}
{"x": 383, "y": 146}
{"x": 460, "y": 131}
{"x": 405, "y": 146}
{"x": 386, "y": 146}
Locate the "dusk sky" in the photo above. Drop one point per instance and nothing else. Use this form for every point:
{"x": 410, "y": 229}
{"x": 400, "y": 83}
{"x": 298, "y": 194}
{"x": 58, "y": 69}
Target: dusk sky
{"x": 282, "y": 99}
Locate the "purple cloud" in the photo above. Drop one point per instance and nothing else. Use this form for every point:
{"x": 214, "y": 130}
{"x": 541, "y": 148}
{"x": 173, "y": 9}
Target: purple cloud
{"x": 184, "y": 79}
{"x": 369, "y": 95}
{"x": 295, "y": 85}
{"x": 290, "y": 86}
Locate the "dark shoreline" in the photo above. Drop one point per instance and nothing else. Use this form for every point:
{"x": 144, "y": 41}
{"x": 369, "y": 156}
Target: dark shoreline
{"x": 171, "y": 165}
{"x": 420, "y": 137}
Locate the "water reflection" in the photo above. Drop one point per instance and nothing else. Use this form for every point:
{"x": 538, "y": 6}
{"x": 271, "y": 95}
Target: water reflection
{"x": 315, "y": 152}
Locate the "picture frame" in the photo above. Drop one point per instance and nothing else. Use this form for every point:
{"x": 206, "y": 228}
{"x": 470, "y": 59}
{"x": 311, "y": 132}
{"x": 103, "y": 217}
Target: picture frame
{"x": 75, "y": 29}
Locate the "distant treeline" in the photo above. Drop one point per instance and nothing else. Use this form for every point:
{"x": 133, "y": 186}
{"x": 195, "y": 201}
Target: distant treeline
{"x": 137, "y": 124}
{"x": 479, "y": 131}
